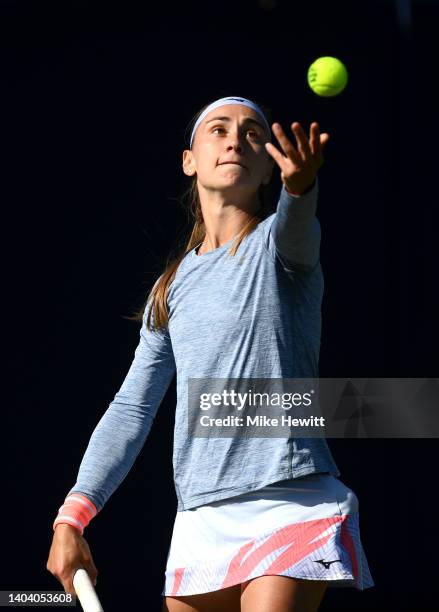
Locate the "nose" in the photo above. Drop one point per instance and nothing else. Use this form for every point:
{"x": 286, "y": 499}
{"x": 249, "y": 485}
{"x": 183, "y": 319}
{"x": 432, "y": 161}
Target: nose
{"x": 235, "y": 141}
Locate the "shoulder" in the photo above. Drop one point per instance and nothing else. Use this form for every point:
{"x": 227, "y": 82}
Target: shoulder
{"x": 264, "y": 226}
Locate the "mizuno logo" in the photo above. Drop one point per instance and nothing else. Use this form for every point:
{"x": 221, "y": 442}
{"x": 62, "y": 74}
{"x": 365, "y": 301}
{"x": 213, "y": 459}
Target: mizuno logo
{"x": 326, "y": 563}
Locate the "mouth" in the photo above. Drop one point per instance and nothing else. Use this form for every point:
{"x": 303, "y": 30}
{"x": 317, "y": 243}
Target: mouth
{"x": 233, "y": 163}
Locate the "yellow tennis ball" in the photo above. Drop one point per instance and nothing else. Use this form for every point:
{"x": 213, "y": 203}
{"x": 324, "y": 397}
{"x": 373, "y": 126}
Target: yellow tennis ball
{"x": 327, "y": 76}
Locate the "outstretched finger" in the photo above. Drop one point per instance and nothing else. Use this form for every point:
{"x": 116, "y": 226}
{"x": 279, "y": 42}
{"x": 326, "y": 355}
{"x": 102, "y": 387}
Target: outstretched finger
{"x": 314, "y": 139}
{"x": 286, "y": 144}
{"x": 280, "y": 159}
{"x": 302, "y": 140}
{"x": 323, "y": 139}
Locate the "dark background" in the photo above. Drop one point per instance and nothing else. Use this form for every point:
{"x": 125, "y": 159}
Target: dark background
{"x": 96, "y": 99}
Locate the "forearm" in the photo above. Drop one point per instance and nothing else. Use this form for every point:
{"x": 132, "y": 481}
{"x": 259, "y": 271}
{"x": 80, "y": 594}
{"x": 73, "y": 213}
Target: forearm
{"x": 113, "y": 447}
{"x": 296, "y": 229}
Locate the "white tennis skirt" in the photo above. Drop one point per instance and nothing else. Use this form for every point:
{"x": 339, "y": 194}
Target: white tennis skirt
{"x": 304, "y": 527}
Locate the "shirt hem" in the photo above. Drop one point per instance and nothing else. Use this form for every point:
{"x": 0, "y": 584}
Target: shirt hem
{"x": 202, "y": 499}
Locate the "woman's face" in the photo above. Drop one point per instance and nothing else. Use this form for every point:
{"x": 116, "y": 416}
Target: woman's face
{"x": 228, "y": 152}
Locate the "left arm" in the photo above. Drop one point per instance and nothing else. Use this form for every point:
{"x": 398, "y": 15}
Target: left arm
{"x": 296, "y": 229}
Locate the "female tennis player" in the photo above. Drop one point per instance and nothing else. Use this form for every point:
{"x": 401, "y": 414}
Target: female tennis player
{"x": 262, "y": 523}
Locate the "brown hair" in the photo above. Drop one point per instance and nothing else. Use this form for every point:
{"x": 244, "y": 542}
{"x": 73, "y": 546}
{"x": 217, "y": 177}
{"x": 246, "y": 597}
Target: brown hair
{"x": 158, "y": 294}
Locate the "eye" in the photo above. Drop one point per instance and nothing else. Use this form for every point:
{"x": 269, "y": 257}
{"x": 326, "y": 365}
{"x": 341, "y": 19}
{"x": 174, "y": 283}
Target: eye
{"x": 255, "y": 134}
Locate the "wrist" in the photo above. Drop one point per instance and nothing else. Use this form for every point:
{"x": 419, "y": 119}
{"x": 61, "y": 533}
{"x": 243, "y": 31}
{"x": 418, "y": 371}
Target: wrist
{"x": 66, "y": 528}
{"x": 302, "y": 193}
{"x": 77, "y": 511}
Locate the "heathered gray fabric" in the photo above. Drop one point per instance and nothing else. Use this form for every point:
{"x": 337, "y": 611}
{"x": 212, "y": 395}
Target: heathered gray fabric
{"x": 254, "y": 315}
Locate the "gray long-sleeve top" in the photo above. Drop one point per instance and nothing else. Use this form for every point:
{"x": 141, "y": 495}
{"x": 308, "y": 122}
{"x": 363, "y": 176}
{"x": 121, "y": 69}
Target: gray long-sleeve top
{"x": 254, "y": 315}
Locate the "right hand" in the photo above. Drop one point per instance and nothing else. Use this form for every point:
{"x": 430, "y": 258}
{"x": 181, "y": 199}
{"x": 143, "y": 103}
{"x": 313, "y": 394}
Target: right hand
{"x": 69, "y": 552}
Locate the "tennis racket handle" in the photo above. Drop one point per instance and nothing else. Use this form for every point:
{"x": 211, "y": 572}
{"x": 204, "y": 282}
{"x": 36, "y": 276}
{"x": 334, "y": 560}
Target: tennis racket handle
{"x": 85, "y": 592}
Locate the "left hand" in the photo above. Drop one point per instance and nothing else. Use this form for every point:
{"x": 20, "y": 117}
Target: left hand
{"x": 299, "y": 168}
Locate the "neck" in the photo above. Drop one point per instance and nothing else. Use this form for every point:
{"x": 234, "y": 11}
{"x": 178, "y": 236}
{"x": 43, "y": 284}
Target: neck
{"x": 224, "y": 221}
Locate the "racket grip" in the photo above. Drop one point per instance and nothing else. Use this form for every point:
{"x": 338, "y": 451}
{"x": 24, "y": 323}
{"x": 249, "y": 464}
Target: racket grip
{"x": 85, "y": 592}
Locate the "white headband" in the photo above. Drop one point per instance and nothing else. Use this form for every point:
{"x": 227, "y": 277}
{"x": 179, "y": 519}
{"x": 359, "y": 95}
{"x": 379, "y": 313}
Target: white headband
{"x": 229, "y": 100}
